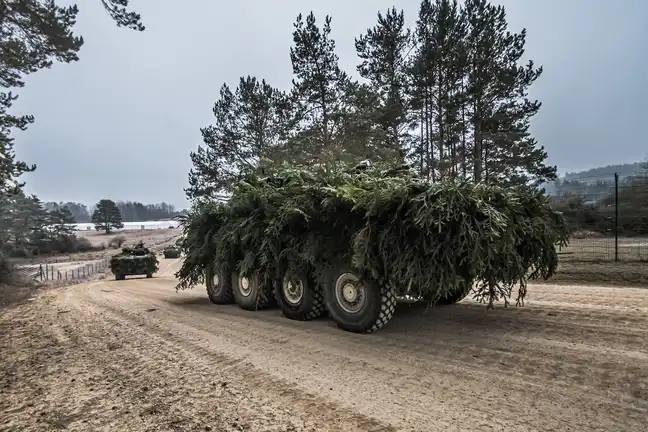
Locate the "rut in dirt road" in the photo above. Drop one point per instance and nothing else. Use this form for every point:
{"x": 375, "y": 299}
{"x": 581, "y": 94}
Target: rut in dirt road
{"x": 572, "y": 359}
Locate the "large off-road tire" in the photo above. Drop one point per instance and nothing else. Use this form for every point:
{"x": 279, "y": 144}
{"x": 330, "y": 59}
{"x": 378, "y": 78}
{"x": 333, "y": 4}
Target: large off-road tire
{"x": 120, "y": 276}
{"x": 250, "y": 293}
{"x": 219, "y": 287}
{"x": 358, "y": 305}
{"x": 299, "y": 297}
{"x": 149, "y": 275}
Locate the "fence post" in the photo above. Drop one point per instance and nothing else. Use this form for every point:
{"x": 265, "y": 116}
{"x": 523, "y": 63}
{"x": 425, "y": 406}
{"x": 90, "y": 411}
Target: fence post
{"x": 616, "y": 216}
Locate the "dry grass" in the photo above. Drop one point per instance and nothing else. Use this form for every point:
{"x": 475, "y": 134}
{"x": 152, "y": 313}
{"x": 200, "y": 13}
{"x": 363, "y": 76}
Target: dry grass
{"x": 590, "y": 260}
{"x": 602, "y": 273}
{"x": 630, "y": 249}
{"x": 154, "y": 239}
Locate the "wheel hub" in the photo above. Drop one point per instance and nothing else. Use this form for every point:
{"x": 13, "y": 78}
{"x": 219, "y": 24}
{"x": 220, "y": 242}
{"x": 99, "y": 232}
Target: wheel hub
{"x": 216, "y": 280}
{"x": 244, "y": 285}
{"x": 293, "y": 291}
{"x": 350, "y": 293}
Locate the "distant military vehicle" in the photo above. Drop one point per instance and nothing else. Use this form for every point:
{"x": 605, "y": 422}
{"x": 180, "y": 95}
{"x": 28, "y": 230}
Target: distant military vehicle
{"x": 171, "y": 252}
{"x": 138, "y": 260}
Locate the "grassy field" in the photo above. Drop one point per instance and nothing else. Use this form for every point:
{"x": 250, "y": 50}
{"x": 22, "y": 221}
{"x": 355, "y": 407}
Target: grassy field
{"x": 603, "y": 249}
{"x": 592, "y": 261}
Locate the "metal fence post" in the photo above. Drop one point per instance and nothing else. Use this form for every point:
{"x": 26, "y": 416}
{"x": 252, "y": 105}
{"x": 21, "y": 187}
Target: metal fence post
{"x": 616, "y": 216}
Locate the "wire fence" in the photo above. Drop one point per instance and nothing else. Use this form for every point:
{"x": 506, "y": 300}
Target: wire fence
{"x": 62, "y": 271}
{"x": 608, "y": 218}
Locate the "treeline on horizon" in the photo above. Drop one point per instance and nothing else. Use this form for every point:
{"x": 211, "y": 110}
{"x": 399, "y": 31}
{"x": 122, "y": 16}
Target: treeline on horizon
{"x": 131, "y": 211}
{"x": 591, "y": 201}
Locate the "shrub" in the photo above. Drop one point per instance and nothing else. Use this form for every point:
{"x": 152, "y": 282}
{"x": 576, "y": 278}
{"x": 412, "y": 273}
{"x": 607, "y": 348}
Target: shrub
{"x": 7, "y": 270}
{"x": 117, "y": 242}
{"x": 82, "y": 244}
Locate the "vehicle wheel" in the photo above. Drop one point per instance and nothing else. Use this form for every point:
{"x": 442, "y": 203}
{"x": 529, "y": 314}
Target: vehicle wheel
{"x": 218, "y": 285}
{"x": 300, "y": 298}
{"x": 358, "y": 305}
{"x": 119, "y": 276}
{"x": 149, "y": 275}
{"x": 249, "y": 293}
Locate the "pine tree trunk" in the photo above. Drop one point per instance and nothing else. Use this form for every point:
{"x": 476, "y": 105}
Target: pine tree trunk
{"x": 477, "y": 163}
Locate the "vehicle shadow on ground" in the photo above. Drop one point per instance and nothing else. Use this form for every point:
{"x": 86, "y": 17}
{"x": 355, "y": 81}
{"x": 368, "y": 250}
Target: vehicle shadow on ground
{"x": 408, "y": 318}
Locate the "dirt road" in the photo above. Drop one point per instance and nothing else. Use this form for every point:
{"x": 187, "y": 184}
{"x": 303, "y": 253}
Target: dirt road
{"x": 137, "y": 356}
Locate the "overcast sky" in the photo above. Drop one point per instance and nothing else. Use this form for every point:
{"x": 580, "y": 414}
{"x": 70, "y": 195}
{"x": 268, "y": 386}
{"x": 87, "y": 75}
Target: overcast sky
{"x": 120, "y": 123}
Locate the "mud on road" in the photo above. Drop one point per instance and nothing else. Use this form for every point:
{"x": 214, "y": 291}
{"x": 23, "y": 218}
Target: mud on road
{"x": 137, "y": 356}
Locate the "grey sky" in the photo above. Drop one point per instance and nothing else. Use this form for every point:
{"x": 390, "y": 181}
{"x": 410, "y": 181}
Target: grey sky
{"x": 120, "y": 123}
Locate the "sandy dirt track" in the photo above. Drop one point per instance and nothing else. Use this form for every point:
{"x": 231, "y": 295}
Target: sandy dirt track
{"x": 137, "y": 356}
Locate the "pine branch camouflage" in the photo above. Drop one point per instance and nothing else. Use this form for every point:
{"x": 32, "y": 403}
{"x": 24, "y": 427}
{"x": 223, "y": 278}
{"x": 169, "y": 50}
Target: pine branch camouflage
{"x": 424, "y": 239}
{"x": 134, "y": 261}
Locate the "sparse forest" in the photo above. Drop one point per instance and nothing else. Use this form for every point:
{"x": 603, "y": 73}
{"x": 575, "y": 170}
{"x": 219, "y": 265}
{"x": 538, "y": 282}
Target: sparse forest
{"x": 448, "y": 96}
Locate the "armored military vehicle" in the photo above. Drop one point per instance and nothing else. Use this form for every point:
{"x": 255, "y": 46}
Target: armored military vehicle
{"x": 171, "y": 252}
{"x": 137, "y": 260}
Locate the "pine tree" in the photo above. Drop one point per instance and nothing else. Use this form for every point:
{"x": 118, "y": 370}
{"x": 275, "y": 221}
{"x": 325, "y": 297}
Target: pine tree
{"x": 61, "y": 219}
{"x": 33, "y": 34}
{"x": 106, "y": 216}
{"x": 360, "y": 135}
{"x": 436, "y": 74}
{"x": 247, "y": 125}
{"x": 117, "y": 9}
{"x": 318, "y": 92}
{"x": 383, "y": 51}
{"x": 497, "y": 89}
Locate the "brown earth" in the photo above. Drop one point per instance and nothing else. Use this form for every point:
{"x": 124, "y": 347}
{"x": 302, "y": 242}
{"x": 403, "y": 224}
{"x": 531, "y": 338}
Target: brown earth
{"x": 137, "y": 356}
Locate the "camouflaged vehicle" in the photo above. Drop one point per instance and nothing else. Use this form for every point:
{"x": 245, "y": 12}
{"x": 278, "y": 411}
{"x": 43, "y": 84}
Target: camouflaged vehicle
{"x": 134, "y": 261}
{"x": 171, "y": 252}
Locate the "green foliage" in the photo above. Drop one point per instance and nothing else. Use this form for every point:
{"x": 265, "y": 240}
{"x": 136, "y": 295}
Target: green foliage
{"x": 118, "y": 12}
{"x": 382, "y": 51}
{"x": 138, "y": 212}
{"x": 247, "y": 124}
{"x": 132, "y": 211}
{"x": 28, "y": 229}
{"x": 7, "y": 270}
{"x": 35, "y": 33}
{"x": 62, "y": 221}
{"x": 424, "y": 239}
{"x": 107, "y": 216}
